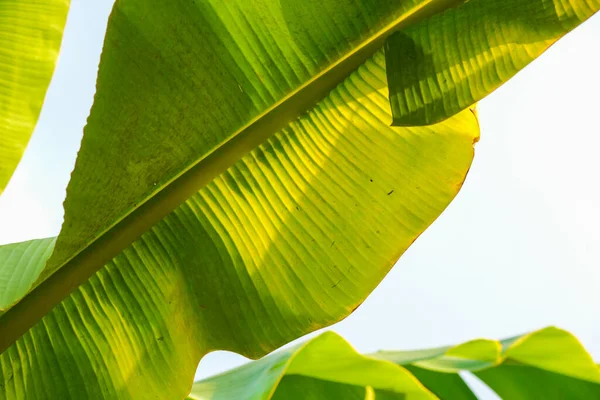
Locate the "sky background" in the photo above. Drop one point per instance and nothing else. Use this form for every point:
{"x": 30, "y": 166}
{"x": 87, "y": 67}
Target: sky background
{"x": 519, "y": 248}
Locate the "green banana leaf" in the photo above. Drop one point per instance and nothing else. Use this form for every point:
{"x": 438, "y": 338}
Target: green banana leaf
{"x": 546, "y": 364}
{"x": 205, "y": 83}
{"x": 30, "y": 36}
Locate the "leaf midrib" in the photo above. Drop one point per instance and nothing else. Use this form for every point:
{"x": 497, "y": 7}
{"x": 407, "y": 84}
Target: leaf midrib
{"x": 108, "y": 244}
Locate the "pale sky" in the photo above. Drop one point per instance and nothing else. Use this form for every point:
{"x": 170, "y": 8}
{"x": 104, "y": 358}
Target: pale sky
{"x": 519, "y": 248}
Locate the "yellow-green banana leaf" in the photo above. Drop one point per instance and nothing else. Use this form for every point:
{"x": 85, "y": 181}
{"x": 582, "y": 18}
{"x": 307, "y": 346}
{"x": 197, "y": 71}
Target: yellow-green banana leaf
{"x": 30, "y": 36}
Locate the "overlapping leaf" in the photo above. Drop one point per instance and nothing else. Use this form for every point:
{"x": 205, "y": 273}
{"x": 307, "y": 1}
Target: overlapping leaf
{"x": 549, "y": 363}
{"x": 30, "y": 36}
{"x": 445, "y": 63}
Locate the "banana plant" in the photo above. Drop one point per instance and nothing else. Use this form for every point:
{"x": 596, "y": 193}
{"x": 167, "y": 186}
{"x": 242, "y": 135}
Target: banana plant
{"x": 246, "y": 177}
{"x": 546, "y": 364}
{"x": 30, "y": 33}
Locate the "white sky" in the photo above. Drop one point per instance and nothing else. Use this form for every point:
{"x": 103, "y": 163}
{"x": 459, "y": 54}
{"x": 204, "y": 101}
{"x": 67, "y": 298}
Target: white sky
{"x": 519, "y": 249}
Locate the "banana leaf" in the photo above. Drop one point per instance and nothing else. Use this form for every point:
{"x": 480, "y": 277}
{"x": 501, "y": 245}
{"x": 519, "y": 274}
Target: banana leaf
{"x": 546, "y": 364}
{"x": 30, "y": 36}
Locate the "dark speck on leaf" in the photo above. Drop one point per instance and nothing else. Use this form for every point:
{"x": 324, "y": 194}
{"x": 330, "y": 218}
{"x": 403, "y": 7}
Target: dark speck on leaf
{"x": 390, "y": 192}
{"x": 160, "y": 338}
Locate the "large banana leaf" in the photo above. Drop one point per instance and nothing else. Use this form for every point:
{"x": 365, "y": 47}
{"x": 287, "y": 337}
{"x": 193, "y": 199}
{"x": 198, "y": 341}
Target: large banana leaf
{"x": 206, "y": 82}
{"x": 547, "y": 364}
{"x": 291, "y": 238}
{"x": 184, "y": 90}
{"x": 30, "y": 36}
